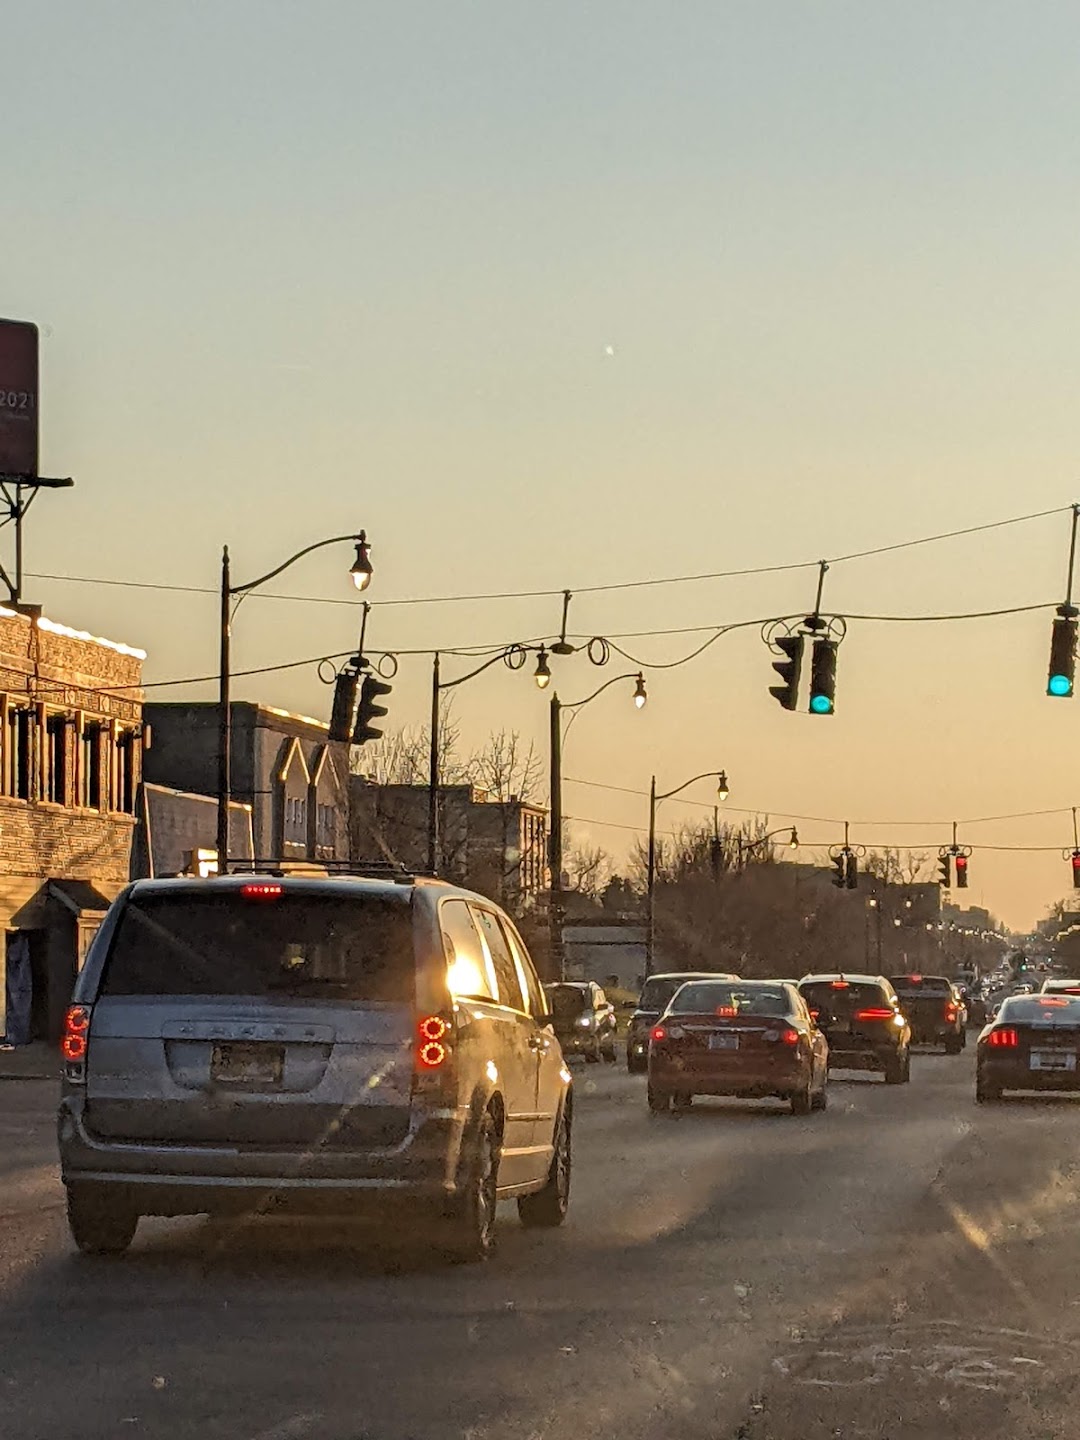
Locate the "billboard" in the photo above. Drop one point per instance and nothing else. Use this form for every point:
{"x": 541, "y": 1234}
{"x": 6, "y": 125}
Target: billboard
{"x": 18, "y": 398}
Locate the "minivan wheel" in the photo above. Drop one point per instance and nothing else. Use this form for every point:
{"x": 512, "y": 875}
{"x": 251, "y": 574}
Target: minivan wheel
{"x": 547, "y": 1208}
{"x": 470, "y": 1227}
{"x": 98, "y": 1224}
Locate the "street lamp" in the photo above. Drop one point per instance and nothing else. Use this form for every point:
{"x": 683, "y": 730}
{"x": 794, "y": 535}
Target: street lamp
{"x": 720, "y": 776}
{"x": 555, "y": 854}
{"x": 360, "y": 570}
{"x": 745, "y": 846}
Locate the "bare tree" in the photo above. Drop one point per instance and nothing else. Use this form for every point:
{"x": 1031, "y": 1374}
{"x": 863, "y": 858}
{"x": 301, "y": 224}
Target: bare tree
{"x": 506, "y": 768}
{"x": 895, "y": 866}
{"x": 403, "y": 757}
{"x": 588, "y": 870}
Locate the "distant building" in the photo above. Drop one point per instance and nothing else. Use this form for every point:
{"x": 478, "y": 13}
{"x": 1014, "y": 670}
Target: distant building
{"x": 176, "y": 834}
{"x": 612, "y": 952}
{"x": 71, "y": 757}
{"x": 285, "y": 768}
{"x": 498, "y": 847}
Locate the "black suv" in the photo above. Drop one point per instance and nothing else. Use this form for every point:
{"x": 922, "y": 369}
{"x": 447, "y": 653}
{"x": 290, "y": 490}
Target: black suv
{"x": 863, "y": 1023}
{"x": 934, "y": 1009}
{"x": 318, "y": 1043}
{"x": 583, "y": 1019}
{"x": 656, "y": 995}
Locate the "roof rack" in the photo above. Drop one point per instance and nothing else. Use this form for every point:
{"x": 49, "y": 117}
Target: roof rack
{"x": 359, "y": 869}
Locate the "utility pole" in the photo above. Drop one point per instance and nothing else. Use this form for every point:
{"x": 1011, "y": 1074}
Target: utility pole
{"x": 555, "y": 845}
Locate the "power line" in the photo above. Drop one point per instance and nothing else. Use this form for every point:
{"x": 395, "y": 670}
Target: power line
{"x": 577, "y": 590}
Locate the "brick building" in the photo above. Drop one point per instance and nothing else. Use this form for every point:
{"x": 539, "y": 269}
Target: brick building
{"x": 498, "y": 847}
{"x": 71, "y": 748}
{"x": 285, "y": 767}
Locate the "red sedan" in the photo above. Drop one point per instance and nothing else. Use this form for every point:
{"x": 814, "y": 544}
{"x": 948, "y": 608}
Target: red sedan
{"x": 748, "y": 1039}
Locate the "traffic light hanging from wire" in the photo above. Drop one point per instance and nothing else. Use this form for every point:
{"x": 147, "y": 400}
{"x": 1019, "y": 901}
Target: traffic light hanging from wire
{"x": 846, "y": 864}
{"x": 1062, "y": 675}
{"x": 789, "y": 669}
{"x": 961, "y": 872}
{"x": 945, "y": 870}
{"x": 369, "y": 709}
{"x": 341, "y": 716}
{"x": 823, "y": 677}
{"x": 1075, "y": 860}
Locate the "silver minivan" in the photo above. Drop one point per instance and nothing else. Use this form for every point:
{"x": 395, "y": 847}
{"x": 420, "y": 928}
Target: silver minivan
{"x": 319, "y": 1043}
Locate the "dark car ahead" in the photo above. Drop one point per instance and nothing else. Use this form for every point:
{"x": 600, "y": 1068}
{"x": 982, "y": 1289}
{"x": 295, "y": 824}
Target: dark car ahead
{"x": 583, "y": 1019}
{"x": 1032, "y": 1044}
{"x": 334, "y": 1044}
{"x": 746, "y": 1038}
{"x": 863, "y": 1023}
{"x": 654, "y": 999}
{"x": 934, "y": 1010}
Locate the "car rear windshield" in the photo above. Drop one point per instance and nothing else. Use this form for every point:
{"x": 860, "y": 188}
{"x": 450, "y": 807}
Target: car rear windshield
{"x": 294, "y": 946}
{"x": 840, "y": 997}
{"x": 1023, "y": 1009}
{"x": 707, "y": 996}
{"x": 568, "y": 999}
{"x": 920, "y": 985}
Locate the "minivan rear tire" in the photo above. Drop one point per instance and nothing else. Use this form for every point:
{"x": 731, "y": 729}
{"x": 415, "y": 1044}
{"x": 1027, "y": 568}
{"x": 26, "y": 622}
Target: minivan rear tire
{"x": 99, "y": 1225}
{"x": 546, "y": 1209}
{"x": 469, "y": 1228}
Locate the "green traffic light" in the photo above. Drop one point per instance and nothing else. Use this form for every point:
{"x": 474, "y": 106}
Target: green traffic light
{"x": 821, "y": 704}
{"x": 1059, "y": 685}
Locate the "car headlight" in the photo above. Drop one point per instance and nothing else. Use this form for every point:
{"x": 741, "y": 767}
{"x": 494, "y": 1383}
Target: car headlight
{"x": 585, "y": 1021}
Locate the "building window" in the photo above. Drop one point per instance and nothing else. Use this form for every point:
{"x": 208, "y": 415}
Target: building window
{"x": 90, "y": 765}
{"x": 19, "y": 769}
{"x": 295, "y": 820}
{"x": 325, "y": 826}
{"x": 124, "y": 788}
{"x": 54, "y": 757}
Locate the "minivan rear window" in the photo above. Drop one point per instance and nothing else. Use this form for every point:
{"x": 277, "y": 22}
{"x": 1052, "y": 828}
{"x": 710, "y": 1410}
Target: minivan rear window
{"x": 294, "y": 946}
{"x": 842, "y": 997}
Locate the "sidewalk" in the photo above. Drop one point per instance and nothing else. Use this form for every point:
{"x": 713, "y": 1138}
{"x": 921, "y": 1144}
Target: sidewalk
{"x": 38, "y": 1061}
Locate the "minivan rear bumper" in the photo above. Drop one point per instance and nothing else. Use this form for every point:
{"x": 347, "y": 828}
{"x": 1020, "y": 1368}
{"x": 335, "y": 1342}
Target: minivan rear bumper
{"x": 165, "y": 1179}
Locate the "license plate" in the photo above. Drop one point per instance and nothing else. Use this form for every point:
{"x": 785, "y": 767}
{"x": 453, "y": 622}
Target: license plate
{"x": 247, "y": 1064}
{"x": 723, "y": 1042}
{"x": 1053, "y": 1060}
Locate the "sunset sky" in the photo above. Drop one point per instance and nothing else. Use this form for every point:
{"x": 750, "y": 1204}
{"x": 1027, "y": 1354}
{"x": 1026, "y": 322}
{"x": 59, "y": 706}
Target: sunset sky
{"x": 558, "y": 296}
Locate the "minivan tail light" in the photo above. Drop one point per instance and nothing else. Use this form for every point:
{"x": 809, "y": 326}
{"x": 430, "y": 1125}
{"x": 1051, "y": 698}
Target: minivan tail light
{"x": 432, "y": 1051}
{"x": 73, "y": 1045}
{"x": 875, "y": 1012}
{"x": 261, "y": 892}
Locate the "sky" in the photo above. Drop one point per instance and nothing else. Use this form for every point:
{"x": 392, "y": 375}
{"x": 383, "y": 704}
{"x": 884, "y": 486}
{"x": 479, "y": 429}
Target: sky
{"x": 571, "y": 295}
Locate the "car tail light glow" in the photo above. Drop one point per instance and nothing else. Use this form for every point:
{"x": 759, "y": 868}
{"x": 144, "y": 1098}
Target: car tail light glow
{"x": 915, "y": 979}
{"x": 789, "y": 1035}
{"x": 657, "y": 1034}
{"x": 1053, "y": 1001}
{"x": 951, "y": 1011}
{"x": 76, "y": 1030}
{"x": 433, "y": 1049}
{"x": 839, "y": 985}
{"x": 875, "y": 1012}
{"x": 814, "y": 1014}
{"x": 1006, "y": 1038}
{"x": 727, "y": 1012}
{"x": 261, "y": 892}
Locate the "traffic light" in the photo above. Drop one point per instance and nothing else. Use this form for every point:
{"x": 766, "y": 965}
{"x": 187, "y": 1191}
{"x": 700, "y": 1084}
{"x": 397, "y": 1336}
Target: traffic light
{"x": 852, "y": 871}
{"x": 341, "y": 715}
{"x": 789, "y": 669}
{"x": 840, "y": 864}
{"x": 1076, "y": 869}
{"x": 1062, "y": 674}
{"x": 961, "y": 872}
{"x": 823, "y": 677}
{"x": 945, "y": 870}
{"x": 369, "y": 710}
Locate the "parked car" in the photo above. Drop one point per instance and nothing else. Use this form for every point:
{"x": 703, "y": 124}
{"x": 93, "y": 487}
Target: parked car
{"x": 655, "y": 996}
{"x": 327, "y": 1043}
{"x": 934, "y": 1010}
{"x": 747, "y": 1038}
{"x": 1033, "y": 1044}
{"x": 584, "y": 1019}
{"x": 863, "y": 1023}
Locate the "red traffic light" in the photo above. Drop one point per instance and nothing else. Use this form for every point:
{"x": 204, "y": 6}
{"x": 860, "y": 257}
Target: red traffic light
{"x": 1076, "y": 869}
{"x": 961, "y": 872}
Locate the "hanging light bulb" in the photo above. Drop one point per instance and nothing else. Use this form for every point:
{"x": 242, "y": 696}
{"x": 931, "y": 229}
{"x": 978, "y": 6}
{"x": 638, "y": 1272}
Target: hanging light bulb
{"x": 360, "y": 569}
{"x": 794, "y": 841}
{"x": 542, "y": 673}
{"x": 722, "y": 791}
{"x": 640, "y": 693}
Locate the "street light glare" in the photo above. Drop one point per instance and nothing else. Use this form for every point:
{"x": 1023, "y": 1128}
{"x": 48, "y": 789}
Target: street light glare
{"x": 542, "y": 673}
{"x": 640, "y": 693}
{"x": 722, "y": 790}
{"x": 360, "y": 570}
{"x": 794, "y": 841}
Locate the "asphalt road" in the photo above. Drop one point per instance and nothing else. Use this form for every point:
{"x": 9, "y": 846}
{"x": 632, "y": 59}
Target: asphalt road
{"x": 900, "y": 1266}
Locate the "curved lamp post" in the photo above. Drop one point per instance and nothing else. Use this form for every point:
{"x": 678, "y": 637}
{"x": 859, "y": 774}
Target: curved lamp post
{"x": 360, "y": 570}
{"x": 555, "y": 831}
{"x": 745, "y": 847}
{"x": 720, "y": 776}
